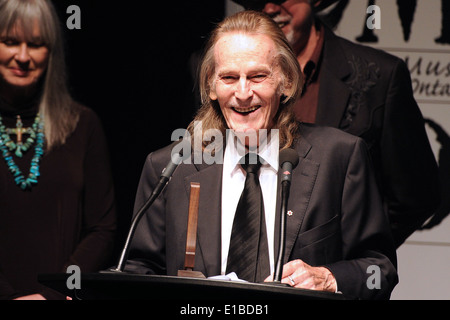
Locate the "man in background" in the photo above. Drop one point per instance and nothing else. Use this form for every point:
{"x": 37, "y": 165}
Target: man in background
{"x": 368, "y": 93}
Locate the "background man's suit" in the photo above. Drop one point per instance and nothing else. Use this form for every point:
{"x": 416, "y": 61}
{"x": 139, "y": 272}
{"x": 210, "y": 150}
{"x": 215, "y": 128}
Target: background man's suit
{"x": 333, "y": 191}
{"x": 368, "y": 93}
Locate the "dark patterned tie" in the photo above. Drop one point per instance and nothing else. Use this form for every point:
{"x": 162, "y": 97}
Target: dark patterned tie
{"x": 248, "y": 255}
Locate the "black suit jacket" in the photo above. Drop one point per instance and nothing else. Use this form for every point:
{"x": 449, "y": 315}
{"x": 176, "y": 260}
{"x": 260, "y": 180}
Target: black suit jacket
{"x": 337, "y": 221}
{"x": 368, "y": 93}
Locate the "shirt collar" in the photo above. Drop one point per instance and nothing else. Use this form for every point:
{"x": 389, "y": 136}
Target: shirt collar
{"x": 310, "y": 68}
{"x": 234, "y": 151}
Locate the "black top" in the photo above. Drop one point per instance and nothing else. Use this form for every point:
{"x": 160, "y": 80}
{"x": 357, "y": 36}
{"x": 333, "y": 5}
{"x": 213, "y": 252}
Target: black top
{"x": 67, "y": 218}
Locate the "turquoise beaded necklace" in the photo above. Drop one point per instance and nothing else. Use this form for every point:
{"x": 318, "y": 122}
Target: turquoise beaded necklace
{"x": 36, "y": 132}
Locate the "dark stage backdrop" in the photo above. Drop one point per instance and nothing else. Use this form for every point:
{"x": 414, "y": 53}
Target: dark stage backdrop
{"x": 130, "y": 62}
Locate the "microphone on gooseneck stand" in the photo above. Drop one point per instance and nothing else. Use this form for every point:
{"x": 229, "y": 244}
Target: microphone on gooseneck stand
{"x": 288, "y": 160}
{"x": 166, "y": 174}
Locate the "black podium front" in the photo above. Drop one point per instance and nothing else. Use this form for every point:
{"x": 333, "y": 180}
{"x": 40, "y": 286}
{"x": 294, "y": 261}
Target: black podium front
{"x": 111, "y": 286}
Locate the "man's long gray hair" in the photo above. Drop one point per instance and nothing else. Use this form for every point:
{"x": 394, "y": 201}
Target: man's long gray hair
{"x": 250, "y": 22}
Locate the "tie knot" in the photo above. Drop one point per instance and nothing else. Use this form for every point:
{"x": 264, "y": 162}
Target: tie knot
{"x": 251, "y": 163}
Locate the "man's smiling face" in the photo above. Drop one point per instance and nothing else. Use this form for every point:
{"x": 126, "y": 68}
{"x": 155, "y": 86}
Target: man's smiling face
{"x": 247, "y": 81}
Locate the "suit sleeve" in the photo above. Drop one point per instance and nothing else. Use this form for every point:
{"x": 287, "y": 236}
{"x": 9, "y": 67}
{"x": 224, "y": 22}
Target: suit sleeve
{"x": 147, "y": 252}
{"x": 409, "y": 170}
{"x": 366, "y": 238}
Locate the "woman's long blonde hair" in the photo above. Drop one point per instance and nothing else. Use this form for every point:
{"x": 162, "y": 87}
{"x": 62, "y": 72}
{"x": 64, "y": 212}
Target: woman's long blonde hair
{"x": 56, "y": 106}
{"x": 250, "y": 22}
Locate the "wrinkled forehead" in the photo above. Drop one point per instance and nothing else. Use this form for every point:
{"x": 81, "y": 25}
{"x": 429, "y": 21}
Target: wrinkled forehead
{"x": 234, "y": 45}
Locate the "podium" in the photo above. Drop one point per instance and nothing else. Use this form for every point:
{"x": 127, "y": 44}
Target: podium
{"x": 125, "y": 286}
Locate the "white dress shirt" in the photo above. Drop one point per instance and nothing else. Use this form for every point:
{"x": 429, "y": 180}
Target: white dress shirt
{"x": 233, "y": 183}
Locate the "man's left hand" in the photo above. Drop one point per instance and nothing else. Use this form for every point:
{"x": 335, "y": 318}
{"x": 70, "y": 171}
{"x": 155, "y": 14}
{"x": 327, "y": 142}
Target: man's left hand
{"x": 299, "y": 274}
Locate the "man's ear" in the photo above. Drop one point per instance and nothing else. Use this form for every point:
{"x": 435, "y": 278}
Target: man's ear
{"x": 212, "y": 95}
{"x": 287, "y": 93}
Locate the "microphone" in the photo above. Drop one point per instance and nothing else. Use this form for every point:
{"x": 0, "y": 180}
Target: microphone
{"x": 166, "y": 174}
{"x": 288, "y": 160}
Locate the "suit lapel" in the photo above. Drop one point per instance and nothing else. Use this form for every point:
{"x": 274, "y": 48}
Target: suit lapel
{"x": 208, "y": 251}
{"x": 333, "y": 92}
{"x": 303, "y": 179}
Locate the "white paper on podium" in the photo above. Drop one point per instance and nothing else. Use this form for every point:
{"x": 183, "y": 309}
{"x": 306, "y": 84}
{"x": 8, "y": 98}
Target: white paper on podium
{"x": 227, "y": 277}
